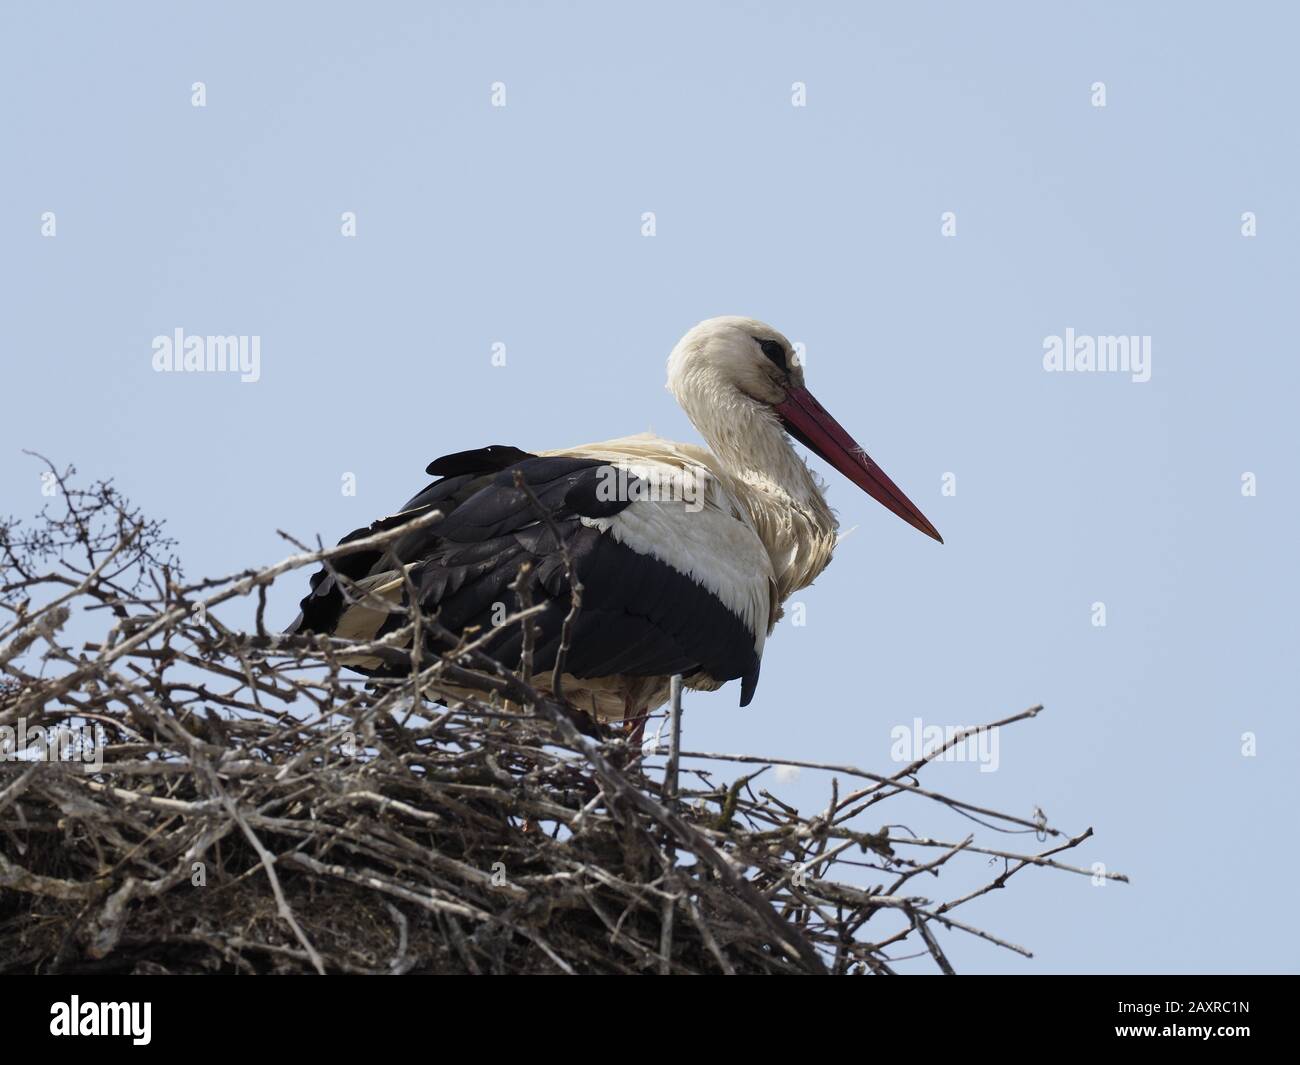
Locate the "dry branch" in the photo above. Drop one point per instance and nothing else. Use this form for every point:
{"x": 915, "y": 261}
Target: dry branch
{"x": 259, "y": 809}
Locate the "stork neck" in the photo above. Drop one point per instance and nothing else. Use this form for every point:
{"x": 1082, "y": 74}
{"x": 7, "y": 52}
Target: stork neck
{"x": 783, "y": 497}
{"x": 758, "y": 452}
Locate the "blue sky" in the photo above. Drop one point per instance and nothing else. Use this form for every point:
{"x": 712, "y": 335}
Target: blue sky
{"x": 521, "y": 225}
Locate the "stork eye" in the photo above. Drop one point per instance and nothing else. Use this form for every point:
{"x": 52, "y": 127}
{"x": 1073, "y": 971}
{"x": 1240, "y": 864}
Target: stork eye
{"x": 773, "y": 351}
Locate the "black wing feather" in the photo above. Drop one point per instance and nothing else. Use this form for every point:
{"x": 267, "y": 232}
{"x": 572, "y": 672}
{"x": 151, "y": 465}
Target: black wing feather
{"x": 639, "y": 617}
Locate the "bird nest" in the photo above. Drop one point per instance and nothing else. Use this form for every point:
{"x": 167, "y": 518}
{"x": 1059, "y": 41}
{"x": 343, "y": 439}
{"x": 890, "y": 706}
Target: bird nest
{"x": 179, "y": 795}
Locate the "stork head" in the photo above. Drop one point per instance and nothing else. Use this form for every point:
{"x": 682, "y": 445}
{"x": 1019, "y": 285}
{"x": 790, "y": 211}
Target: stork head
{"x": 738, "y": 370}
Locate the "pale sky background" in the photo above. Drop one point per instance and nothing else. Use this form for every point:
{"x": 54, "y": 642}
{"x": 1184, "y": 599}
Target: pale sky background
{"x": 521, "y": 225}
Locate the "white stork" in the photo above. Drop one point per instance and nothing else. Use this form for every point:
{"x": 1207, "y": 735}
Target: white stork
{"x": 685, "y": 555}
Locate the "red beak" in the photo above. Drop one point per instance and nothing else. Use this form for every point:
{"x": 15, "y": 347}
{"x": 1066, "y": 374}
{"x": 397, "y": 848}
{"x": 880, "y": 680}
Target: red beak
{"x": 811, "y": 424}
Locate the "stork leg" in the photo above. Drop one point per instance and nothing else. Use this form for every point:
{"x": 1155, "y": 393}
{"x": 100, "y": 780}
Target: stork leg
{"x": 634, "y": 719}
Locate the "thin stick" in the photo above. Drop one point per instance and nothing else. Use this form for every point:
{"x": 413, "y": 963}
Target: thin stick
{"x": 674, "y": 738}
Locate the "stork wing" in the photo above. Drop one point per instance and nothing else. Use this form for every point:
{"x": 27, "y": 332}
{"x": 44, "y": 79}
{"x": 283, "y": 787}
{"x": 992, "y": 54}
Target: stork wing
{"x": 647, "y": 609}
